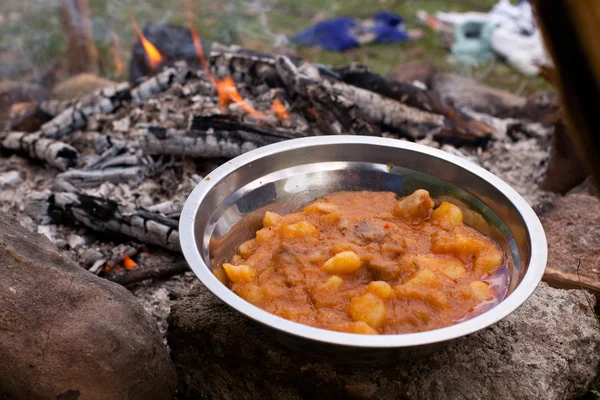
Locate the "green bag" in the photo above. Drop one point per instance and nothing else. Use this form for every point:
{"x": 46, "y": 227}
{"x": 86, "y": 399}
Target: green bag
{"x": 472, "y": 43}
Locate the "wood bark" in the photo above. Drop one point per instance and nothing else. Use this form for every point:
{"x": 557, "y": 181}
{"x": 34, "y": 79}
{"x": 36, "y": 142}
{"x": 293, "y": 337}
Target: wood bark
{"x": 357, "y": 103}
{"x": 75, "y": 117}
{"x": 82, "y": 178}
{"x": 159, "y": 271}
{"x": 211, "y": 143}
{"x": 105, "y": 215}
{"x": 564, "y": 170}
{"x": 462, "y": 128}
{"x": 52, "y": 152}
{"x": 82, "y": 54}
{"x": 565, "y": 280}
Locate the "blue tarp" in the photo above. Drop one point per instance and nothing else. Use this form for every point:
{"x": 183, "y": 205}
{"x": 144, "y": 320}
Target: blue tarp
{"x": 342, "y": 33}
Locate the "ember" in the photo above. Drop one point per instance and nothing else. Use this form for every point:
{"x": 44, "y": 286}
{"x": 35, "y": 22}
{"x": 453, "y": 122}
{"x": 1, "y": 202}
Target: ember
{"x": 279, "y": 110}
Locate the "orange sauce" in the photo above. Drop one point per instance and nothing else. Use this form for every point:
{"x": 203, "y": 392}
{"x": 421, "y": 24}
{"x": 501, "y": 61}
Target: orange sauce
{"x": 370, "y": 263}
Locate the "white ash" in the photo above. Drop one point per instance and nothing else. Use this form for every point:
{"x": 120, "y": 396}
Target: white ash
{"x": 158, "y": 296}
{"x": 10, "y": 178}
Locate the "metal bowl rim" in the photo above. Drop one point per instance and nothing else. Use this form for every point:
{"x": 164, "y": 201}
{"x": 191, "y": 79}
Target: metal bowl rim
{"x": 524, "y": 289}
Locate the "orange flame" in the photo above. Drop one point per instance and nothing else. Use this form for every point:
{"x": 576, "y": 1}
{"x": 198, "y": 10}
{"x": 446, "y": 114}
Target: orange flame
{"x": 128, "y": 263}
{"x": 226, "y": 89}
{"x": 228, "y": 94}
{"x": 154, "y": 56}
{"x": 279, "y": 109}
{"x": 115, "y": 49}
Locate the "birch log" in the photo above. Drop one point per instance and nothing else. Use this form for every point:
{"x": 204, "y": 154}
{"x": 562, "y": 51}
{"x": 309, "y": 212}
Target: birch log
{"x": 52, "y": 152}
{"x": 357, "y": 103}
{"x": 107, "y": 216}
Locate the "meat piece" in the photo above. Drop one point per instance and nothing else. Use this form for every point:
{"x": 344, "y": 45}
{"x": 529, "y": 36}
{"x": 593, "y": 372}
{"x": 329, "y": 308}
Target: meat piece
{"x": 369, "y": 232}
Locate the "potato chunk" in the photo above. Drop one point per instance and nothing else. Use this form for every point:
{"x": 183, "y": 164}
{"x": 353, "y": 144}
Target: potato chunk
{"x": 424, "y": 278}
{"x": 368, "y": 308}
{"x": 264, "y": 235}
{"x": 342, "y": 263}
{"x": 319, "y": 207}
{"x": 487, "y": 261}
{"x": 447, "y": 212}
{"x": 220, "y": 275}
{"x": 357, "y": 327}
{"x": 251, "y": 293}
{"x": 247, "y": 248}
{"x": 271, "y": 219}
{"x": 381, "y": 289}
{"x": 299, "y": 230}
{"x": 482, "y": 290}
{"x": 445, "y": 242}
{"x": 454, "y": 269}
{"x": 415, "y": 207}
{"x": 438, "y": 299}
{"x": 341, "y": 247}
{"x": 239, "y": 273}
{"x": 333, "y": 282}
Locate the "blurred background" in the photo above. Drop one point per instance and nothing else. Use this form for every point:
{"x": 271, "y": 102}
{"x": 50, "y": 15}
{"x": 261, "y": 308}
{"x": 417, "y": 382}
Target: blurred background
{"x": 46, "y": 41}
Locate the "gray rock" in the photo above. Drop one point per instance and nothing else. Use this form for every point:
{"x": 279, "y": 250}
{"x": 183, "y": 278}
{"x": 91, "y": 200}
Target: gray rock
{"x": 65, "y": 333}
{"x": 548, "y": 349}
{"x": 573, "y": 231}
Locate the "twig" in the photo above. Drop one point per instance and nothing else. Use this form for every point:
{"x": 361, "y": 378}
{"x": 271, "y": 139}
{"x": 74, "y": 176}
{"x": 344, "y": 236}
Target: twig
{"x": 163, "y": 271}
{"x": 565, "y": 280}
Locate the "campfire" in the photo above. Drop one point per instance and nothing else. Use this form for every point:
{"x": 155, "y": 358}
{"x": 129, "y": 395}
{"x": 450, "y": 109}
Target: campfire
{"x": 105, "y": 175}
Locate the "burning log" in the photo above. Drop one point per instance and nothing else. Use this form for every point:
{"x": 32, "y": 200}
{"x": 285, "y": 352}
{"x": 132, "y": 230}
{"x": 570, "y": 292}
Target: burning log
{"x": 222, "y": 140}
{"x": 55, "y": 153}
{"x": 462, "y": 128}
{"x": 103, "y": 101}
{"x": 104, "y": 215}
{"x": 357, "y": 103}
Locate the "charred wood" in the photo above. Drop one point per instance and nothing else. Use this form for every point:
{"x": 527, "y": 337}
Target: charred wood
{"x": 52, "y": 152}
{"x": 83, "y": 178}
{"x": 103, "y": 101}
{"x": 357, "y": 103}
{"x": 151, "y": 270}
{"x": 107, "y": 216}
{"x": 461, "y": 128}
{"x": 212, "y": 143}
{"x": 160, "y": 82}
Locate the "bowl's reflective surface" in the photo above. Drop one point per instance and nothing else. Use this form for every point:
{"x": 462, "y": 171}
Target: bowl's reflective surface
{"x": 226, "y": 209}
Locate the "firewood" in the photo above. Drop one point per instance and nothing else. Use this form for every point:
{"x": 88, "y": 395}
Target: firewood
{"x": 82, "y": 178}
{"x": 565, "y": 280}
{"x": 122, "y": 160}
{"x": 212, "y": 143}
{"x": 356, "y": 102}
{"x": 159, "y": 82}
{"x": 462, "y": 128}
{"x": 105, "y": 215}
{"x": 160, "y": 271}
{"x": 54, "y": 153}
{"x": 103, "y": 101}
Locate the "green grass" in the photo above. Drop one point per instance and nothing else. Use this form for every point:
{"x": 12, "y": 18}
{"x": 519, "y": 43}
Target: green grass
{"x": 37, "y": 35}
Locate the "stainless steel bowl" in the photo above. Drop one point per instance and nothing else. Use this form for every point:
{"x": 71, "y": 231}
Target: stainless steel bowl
{"x": 225, "y": 209}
